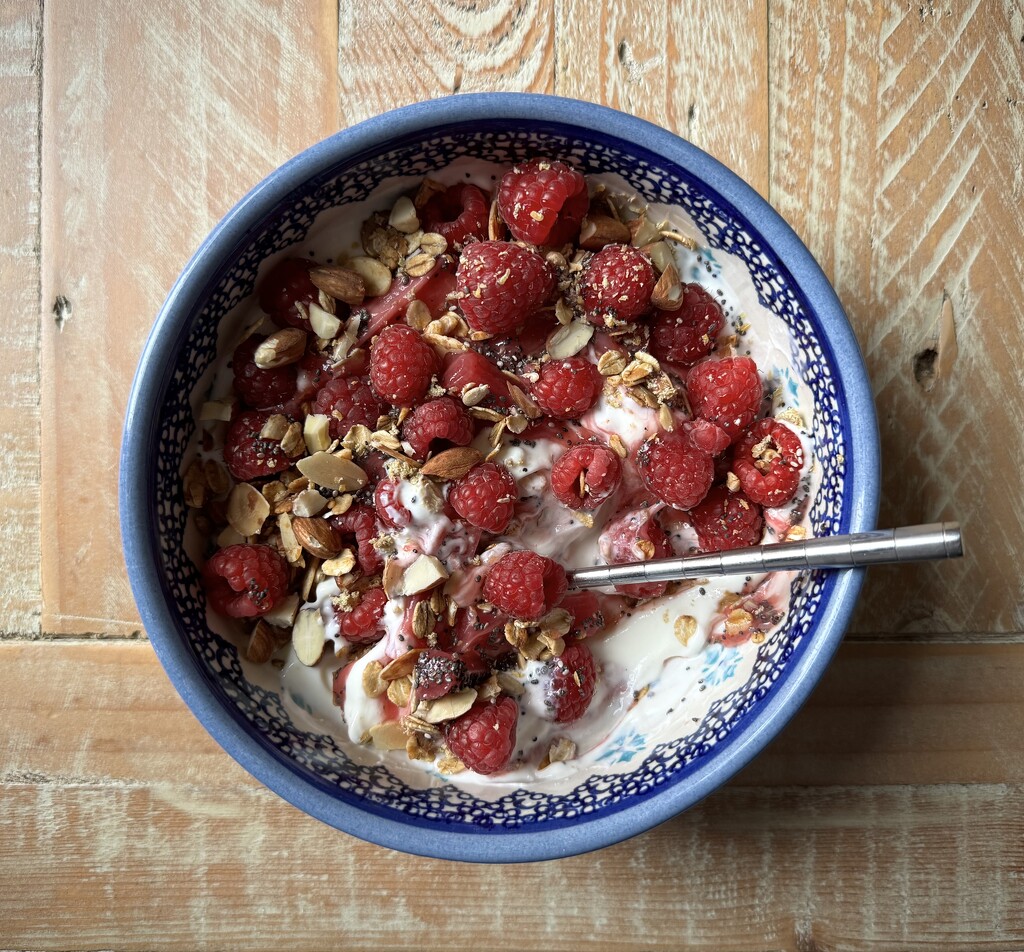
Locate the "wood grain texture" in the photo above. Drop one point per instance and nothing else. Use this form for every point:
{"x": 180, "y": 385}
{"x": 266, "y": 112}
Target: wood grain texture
{"x": 88, "y": 866}
{"x": 696, "y": 68}
{"x": 393, "y": 54}
{"x": 20, "y": 78}
{"x": 897, "y": 150}
{"x": 81, "y": 712}
{"x": 163, "y": 118}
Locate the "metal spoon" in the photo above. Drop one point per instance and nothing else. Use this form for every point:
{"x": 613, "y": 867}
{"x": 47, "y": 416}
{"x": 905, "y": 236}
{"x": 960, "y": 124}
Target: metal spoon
{"x": 938, "y": 540}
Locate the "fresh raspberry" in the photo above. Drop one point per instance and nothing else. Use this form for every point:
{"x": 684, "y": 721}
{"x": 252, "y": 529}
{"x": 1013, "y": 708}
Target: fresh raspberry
{"x": 314, "y": 370}
{"x": 543, "y": 201}
{"x": 436, "y": 674}
{"x": 685, "y": 335}
{"x": 587, "y": 617}
{"x": 401, "y": 365}
{"x": 675, "y": 470}
{"x": 362, "y": 625}
{"x": 348, "y": 401}
{"x": 242, "y": 581}
{"x": 481, "y": 632}
{"x": 585, "y": 476}
{"x": 390, "y": 510}
{"x": 500, "y": 284}
{"x": 768, "y": 459}
{"x": 257, "y": 387}
{"x": 457, "y": 213}
{"x": 573, "y": 679}
{"x": 246, "y": 454}
{"x": 360, "y": 523}
{"x": 636, "y": 537}
{"x": 567, "y": 388}
{"x": 707, "y": 437}
{"x": 727, "y": 392}
{"x": 286, "y": 284}
{"x": 439, "y": 421}
{"x": 469, "y": 369}
{"x": 616, "y": 285}
{"x": 726, "y": 520}
{"x": 485, "y": 736}
{"x": 485, "y": 497}
{"x": 525, "y": 585}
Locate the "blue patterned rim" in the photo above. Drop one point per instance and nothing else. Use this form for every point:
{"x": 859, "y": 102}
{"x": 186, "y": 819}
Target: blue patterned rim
{"x": 432, "y": 832}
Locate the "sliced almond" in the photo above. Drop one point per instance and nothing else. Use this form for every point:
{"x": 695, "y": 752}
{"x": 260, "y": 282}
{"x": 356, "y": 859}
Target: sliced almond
{"x": 510, "y": 684}
{"x": 402, "y": 666}
{"x": 495, "y": 226}
{"x": 261, "y": 644}
{"x": 525, "y": 403}
{"x": 282, "y": 347}
{"x": 376, "y": 276}
{"x": 333, "y": 472}
{"x": 292, "y": 549}
{"x": 316, "y": 432}
{"x": 342, "y": 564}
{"x": 643, "y": 231}
{"x": 308, "y": 503}
{"x": 661, "y": 255}
{"x": 668, "y": 292}
{"x": 391, "y": 578}
{"x": 274, "y": 428}
{"x": 473, "y": 396}
{"x": 344, "y": 284}
{"x": 308, "y": 637}
{"x": 283, "y": 613}
{"x": 317, "y": 536}
{"x": 600, "y": 230}
{"x": 403, "y": 216}
{"x": 453, "y": 463}
{"x": 324, "y": 325}
{"x": 388, "y": 736}
{"x": 247, "y": 509}
{"x": 563, "y": 312}
{"x": 293, "y": 442}
{"x": 221, "y": 410}
{"x": 569, "y": 340}
{"x": 426, "y": 572}
{"x": 449, "y": 707}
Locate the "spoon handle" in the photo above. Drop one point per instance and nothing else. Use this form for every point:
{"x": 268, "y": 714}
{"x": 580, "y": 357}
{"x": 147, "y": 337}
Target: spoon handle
{"x": 939, "y": 540}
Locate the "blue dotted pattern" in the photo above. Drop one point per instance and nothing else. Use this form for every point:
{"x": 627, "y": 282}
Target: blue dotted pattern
{"x": 318, "y": 757}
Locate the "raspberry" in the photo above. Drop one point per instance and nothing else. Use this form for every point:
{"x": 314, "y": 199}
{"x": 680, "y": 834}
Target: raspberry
{"x": 525, "y": 585}
{"x": 436, "y": 674}
{"x": 432, "y": 289}
{"x": 441, "y": 420}
{"x": 707, "y": 437}
{"x": 675, "y": 470}
{"x": 573, "y": 679}
{"x": 257, "y": 387}
{"x": 457, "y": 213}
{"x": 485, "y": 497}
{"x": 348, "y": 401}
{"x": 481, "y": 632}
{"x": 768, "y": 459}
{"x": 726, "y": 520}
{"x": 401, "y": 365}
{"x": 543, "y": 201}
{"x": 567, "y": 388}
{"x": 688, "y": 333}
{"x": 485, "y": 736}
{"x": 242, "y": 581}
{"x": 500, "y": 285}
{"x": 360, "y": 523}
{"x": 616, "y": 285}
{"x": 389, "y": 510}
{"x": 470, "y": 369}
{"x": 361, "y": 625}
{"x": 636, "y": 537}
{"x": 246, "y": 454}
{"x": 286, "y": 284}
{"x": 585, "y": 476}
{"x": 587, "y": 617}
{"x": 727, "y": 392}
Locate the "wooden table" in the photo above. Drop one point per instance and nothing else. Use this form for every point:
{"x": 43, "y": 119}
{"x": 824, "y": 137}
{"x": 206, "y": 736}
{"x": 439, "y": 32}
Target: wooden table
{"x": 888, "y": 815}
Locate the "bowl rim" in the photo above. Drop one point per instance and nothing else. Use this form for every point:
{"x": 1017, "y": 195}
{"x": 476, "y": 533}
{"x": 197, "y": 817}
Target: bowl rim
{"x": 137, "y": 483}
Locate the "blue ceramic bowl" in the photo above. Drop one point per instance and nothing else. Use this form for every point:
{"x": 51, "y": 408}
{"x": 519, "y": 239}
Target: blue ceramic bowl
{"x": 653, "y": 782}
